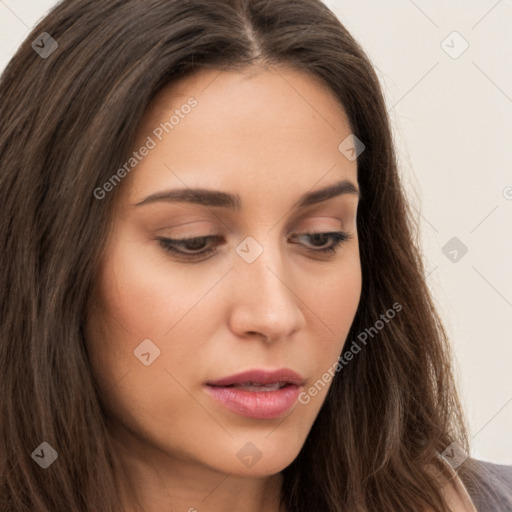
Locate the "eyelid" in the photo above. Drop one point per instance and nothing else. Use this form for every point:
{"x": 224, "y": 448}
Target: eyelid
{"x": 169, "y": 244}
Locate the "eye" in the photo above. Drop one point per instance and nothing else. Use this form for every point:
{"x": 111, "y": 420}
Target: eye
{"x": 319, "y": 239}
{"x": 189, "y": 247}
{"x": 193, "y": 248}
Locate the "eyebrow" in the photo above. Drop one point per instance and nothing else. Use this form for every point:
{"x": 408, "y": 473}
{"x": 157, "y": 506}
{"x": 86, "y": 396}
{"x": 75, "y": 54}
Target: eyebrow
{"x": 215, "y": 198}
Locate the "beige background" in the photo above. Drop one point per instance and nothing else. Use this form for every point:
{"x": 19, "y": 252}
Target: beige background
{"x": 452, "y": 117}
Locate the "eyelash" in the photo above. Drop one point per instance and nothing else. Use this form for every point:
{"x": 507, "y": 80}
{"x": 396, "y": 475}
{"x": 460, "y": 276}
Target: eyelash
{"x": 168, "y": 244}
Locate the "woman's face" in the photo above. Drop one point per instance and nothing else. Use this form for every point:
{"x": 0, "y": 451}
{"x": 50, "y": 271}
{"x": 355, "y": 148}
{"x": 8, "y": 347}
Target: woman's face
{"x": 255, "y": 292}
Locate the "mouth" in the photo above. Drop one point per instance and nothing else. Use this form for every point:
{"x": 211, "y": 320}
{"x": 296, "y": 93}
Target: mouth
{"x": 258, "y": 394}
{"x": 255, "y": 386}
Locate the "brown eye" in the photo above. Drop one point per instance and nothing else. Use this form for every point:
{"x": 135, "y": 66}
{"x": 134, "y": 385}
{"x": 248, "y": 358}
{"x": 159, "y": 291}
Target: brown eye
{"x": 319, "y": 239}
{"x": 192, "y": 247}
{"x": 199, "y": 247}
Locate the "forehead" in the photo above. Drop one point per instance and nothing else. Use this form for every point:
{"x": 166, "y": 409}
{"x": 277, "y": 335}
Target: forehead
{"x": 250, "y": 89}
{"x": 273, "y": 126}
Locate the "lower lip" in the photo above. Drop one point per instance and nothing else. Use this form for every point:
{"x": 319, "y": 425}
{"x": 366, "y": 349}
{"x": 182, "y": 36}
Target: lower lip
{"x": 263, "y": 405}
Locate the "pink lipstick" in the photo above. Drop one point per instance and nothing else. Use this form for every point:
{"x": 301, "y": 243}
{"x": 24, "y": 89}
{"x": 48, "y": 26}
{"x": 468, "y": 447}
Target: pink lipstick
{"x": 258, "y": 394}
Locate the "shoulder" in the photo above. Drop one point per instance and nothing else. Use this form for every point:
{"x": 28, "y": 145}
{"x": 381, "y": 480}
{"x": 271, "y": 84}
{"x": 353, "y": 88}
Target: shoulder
{"x": 499, "y": 473}
{"x": 491, "y": 492}
{"x": 498, "y": 479}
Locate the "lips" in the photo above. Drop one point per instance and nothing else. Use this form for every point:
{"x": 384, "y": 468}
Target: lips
{"x": 260, "y": 378}
{"x": 257, "y": 394}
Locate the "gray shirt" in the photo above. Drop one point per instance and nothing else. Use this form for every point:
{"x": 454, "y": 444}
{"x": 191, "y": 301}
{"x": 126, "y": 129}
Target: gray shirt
{"x": 499, "y": 477}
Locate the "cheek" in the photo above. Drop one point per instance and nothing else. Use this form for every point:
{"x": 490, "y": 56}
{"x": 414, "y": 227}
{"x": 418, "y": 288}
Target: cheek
{"x": 140, "y": 302}
{"x": 135, "y": 300}
{"x": 142, "y": 296}
{"x": 340, "y": 298}
{"x": 142, "y": 293}
{"x": 333, "y": 304}
{"x": 337, "y": 296}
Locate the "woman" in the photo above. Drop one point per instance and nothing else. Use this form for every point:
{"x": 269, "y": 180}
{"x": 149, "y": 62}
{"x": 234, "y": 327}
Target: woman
{"x": 212, "y": 296}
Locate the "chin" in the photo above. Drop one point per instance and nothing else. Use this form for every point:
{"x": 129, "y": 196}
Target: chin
{"x": 256, "y": 456}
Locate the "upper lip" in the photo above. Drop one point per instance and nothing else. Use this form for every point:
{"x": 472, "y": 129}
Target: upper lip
{"x": 260, "y": 377}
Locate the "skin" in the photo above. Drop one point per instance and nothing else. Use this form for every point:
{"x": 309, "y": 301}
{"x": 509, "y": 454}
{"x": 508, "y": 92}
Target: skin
{"x": 268, "y": 135}
{"x": 453, "y": 490}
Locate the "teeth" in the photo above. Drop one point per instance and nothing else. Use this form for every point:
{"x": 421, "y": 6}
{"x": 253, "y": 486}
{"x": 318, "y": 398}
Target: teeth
{"x": 256, "y": 386}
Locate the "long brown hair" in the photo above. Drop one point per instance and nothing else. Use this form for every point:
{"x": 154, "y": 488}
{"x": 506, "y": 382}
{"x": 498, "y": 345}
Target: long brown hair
{"x": 68, "y": 121}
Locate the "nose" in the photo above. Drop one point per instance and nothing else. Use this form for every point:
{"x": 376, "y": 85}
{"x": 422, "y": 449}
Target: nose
{"x": 263, "y": 299}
